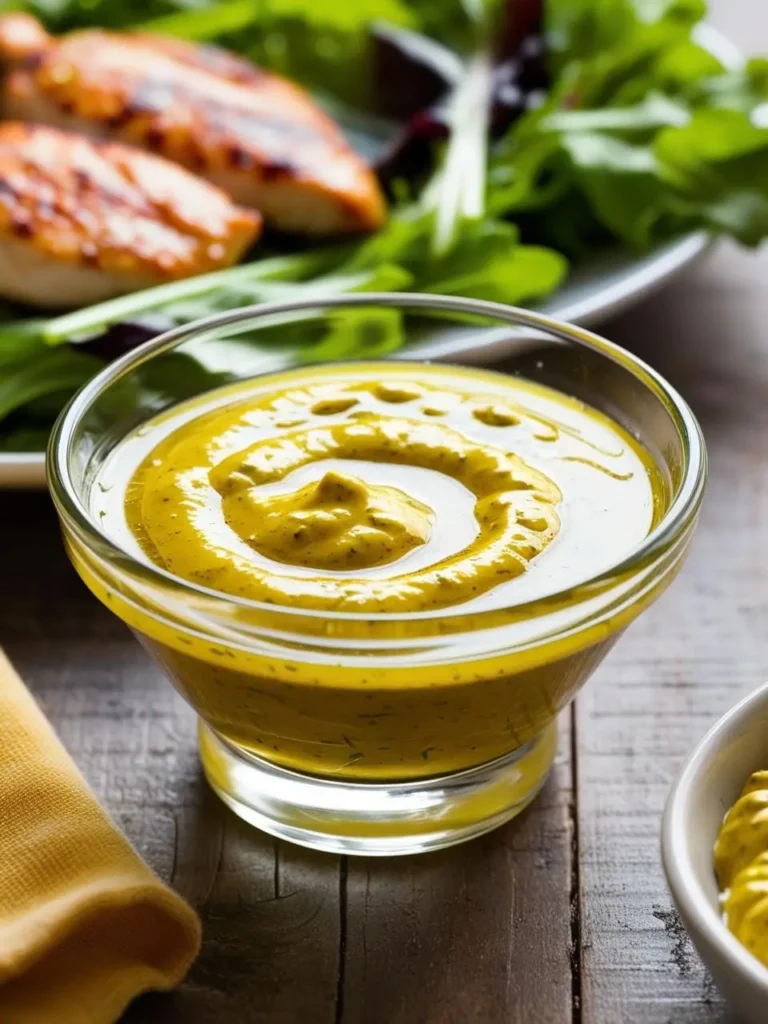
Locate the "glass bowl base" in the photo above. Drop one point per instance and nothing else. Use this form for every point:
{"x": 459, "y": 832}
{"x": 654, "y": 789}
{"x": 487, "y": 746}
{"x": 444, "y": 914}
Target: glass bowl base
{"x": 376, "y": 819}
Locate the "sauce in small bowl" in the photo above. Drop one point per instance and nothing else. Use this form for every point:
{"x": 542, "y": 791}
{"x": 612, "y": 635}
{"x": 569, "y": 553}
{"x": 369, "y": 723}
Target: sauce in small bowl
{"x": 379, "y": 583}
{"x": 378, "y": 489}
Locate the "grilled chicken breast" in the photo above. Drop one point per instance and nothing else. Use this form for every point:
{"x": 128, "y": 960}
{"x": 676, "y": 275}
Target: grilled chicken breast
{"x": 254, "y": 134}
{"x": 81, "y": 220}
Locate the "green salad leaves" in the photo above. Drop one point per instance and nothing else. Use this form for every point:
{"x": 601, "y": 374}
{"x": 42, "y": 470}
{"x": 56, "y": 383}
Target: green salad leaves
{"x": 644, "y": 133}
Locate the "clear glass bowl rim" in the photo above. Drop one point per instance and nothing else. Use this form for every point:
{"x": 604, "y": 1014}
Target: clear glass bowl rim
{"x": 679, "y": 516}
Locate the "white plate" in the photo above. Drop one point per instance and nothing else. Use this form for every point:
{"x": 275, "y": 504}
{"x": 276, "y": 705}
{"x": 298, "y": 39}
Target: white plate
{"x": 594, "y": 292}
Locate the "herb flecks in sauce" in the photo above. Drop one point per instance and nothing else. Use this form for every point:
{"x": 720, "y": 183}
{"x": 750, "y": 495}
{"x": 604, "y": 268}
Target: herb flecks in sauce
{"x": 222, "y": 502}
{"x": 515, "y": 509}
{"x": 339, "y": 522}
{"x": 510, "y": 518}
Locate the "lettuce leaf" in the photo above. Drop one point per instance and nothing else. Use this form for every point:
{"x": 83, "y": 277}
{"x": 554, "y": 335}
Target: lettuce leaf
{"x": 718, "y": 165}
{"x": 644, "y": 135}
{"x": 486, "y": 262}
{"x": 40, "y": 372}
{"x": 620, "y": 36}
{"x": 742, "y": 89}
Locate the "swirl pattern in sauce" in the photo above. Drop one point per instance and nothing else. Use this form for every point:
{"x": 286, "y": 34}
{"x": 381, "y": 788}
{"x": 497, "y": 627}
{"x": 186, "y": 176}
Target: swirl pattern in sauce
{"x": 275, "y": 497}
{"x": 375, "y": 487}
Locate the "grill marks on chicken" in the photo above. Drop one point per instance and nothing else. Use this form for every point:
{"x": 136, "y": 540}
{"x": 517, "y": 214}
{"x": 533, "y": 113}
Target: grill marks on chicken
{"x": 82, "y": 220}
{"x": 254, "y": 134}
{"x": 204, "y": 58}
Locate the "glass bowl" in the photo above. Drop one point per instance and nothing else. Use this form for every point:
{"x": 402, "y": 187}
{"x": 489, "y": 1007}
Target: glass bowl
{"x": 371, "y": 733}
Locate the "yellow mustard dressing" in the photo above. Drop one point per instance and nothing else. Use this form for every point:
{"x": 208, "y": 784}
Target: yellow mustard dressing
{"x": 741, "y": 863}
{"x": 341, "y": 521}
{"x": 378, "y": 489}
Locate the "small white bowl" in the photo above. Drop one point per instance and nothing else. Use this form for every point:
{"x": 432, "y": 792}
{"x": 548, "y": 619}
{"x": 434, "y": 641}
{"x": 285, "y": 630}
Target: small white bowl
{"x": 707, "y": 787}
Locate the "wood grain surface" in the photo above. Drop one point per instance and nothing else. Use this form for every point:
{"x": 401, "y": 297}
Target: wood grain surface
{"x": 480, "y": 933}
{"x": 562, "y": 917}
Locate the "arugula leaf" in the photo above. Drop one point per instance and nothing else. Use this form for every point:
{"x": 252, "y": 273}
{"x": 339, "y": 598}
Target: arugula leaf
{"x": 490, "y": 264}
{"x": 608, "y": 50}
{"x": 614, "y": 31}
{"x": 19, "y": 339}
{"x": 531, "y": 175}
{"x": 358, "y": 334}
{"x": 578, "y": 29}
{"x": 718, "y": 164}
{"x": 742, "y": 89}
{"x": 680, "y": 68}
{"x": 645, "y": 185}
{"x": 643, "y": 135}
{"x": 621, "y": 183}
{"x": 516, "y": 276}
{"x": 52, "y": 371}
{"x": 714, "y": 143}
{"x": 486, "y": 261}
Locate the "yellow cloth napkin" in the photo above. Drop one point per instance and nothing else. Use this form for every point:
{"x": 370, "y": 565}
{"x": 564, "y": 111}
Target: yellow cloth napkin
{"x": 84, "y": 924}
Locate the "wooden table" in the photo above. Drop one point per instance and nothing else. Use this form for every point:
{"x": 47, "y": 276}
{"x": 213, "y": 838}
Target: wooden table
{"x": 562, "y": 916}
